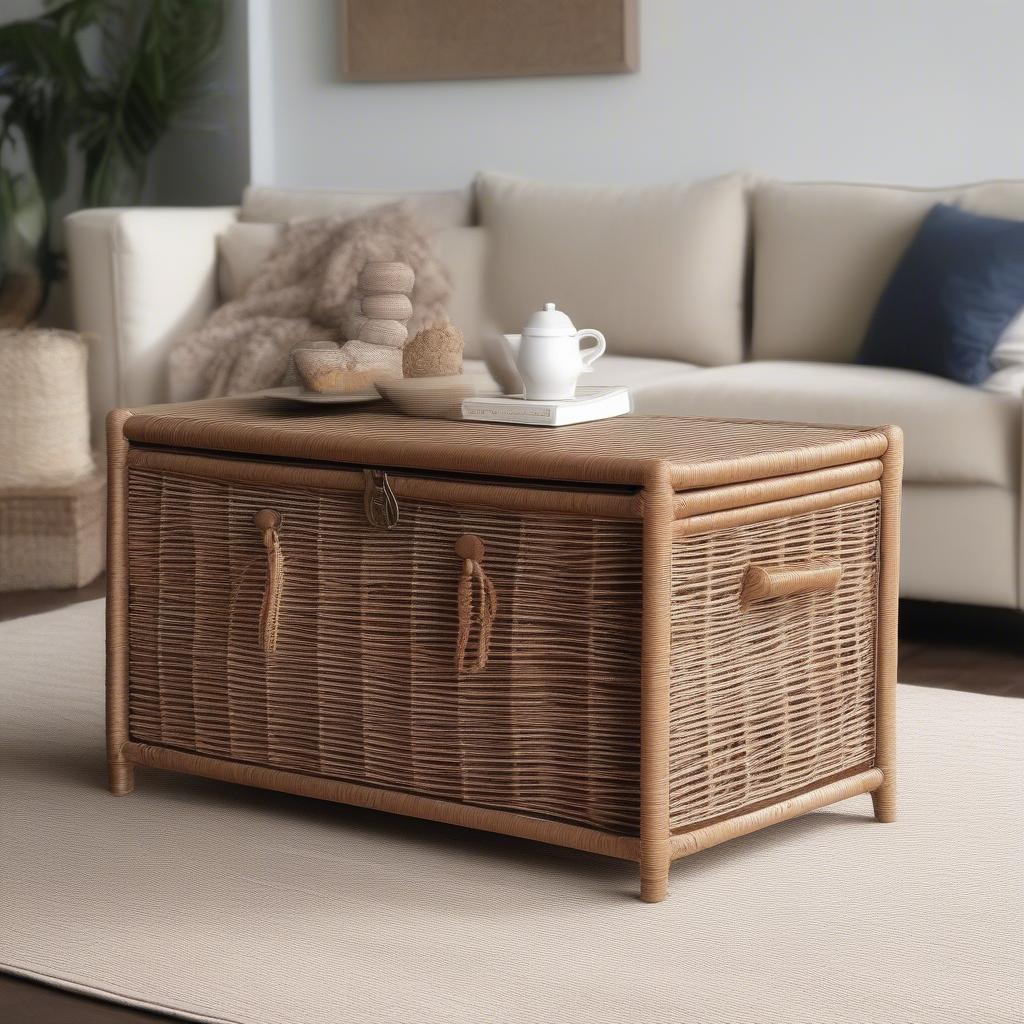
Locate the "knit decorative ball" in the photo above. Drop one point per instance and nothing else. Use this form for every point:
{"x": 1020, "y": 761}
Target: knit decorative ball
{"x": 435, "y": 352}
{"x": 384, "y": 304}
{"x": 375, "y": 318}
{"x": 379, "y": 277}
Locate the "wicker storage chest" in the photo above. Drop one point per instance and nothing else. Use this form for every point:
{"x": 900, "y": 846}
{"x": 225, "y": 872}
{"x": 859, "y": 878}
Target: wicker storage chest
{"x": 638, "y": 637}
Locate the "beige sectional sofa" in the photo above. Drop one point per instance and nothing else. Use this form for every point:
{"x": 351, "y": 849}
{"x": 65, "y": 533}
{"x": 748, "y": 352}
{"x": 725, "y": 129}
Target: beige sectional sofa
{"x": 731, "y": 297}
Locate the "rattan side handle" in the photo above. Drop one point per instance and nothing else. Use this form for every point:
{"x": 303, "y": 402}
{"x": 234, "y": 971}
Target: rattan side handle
{"x": 764, "y": 582}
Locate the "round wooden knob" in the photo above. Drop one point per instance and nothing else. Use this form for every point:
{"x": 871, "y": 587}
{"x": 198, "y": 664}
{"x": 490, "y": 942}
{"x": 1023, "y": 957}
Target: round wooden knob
{"x": 470, "y": 547}
{"x": 267, "y": 519}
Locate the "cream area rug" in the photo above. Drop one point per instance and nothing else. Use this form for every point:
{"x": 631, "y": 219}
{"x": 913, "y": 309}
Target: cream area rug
{"x": 218, "y": 903}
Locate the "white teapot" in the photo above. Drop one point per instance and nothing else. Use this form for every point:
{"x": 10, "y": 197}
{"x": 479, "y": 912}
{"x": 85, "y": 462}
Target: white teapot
{"x": 548, "y": 355}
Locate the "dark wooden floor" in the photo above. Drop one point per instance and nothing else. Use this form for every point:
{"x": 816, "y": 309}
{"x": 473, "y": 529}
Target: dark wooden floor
{"x": 958, "y": 647}
{"x": 948, "y": 646}
{"x": 28, "y": 1002}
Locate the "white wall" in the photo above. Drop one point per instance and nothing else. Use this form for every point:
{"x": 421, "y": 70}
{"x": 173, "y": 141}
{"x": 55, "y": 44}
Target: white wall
{"x": 916, "y": 91}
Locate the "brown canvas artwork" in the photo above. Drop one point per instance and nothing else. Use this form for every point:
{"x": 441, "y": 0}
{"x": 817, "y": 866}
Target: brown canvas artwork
{"x": 409, "y": 40}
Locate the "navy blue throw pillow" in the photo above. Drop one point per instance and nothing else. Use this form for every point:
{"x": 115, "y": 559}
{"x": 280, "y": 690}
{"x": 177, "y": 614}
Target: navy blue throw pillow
{"x": 954, "y": 292}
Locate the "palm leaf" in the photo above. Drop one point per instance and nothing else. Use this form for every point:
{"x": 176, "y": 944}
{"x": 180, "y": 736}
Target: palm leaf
{"x": 23, "y": 214}
{"x": 41, "y": 76}
{"x": 154, "y": 55}
{"x": 153, "y": 80}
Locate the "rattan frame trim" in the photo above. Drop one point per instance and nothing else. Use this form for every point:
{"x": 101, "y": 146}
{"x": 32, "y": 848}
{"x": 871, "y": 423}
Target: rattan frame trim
{"x": 774, "y": 510}
{"x": 684, "y": 844}
{"x": 119, "y": 769}
{"x": 886, "y": 641}
{"x": 506, "y": 498}
{"x": 519, "y": 495}
{"x": 523, "y": 826}
{"x": 655, "y": 659}
{"x": 718, "y": 499}
{"x": 860, "y": 447}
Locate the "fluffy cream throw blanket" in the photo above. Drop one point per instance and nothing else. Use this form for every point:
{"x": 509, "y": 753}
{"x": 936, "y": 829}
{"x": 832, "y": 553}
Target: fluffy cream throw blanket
{"x": 303, "y": 296}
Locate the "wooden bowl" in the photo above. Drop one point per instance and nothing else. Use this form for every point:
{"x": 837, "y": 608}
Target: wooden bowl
{"x": 435, "y": 397}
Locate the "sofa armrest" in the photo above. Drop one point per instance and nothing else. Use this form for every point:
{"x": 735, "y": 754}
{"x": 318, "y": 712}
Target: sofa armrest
{"x": 1010, "y": 380}
{"x": 139, "y": 278}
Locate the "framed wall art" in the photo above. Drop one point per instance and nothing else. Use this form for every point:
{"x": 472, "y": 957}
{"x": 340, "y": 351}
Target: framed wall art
{"x": 420, "y": 40}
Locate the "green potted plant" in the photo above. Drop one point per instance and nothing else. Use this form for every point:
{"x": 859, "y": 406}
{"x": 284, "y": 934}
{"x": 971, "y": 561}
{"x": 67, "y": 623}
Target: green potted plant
{"x": 105, "y": 78}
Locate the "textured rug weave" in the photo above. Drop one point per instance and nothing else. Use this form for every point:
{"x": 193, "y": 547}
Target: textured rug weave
{"x": 225, "y": 904}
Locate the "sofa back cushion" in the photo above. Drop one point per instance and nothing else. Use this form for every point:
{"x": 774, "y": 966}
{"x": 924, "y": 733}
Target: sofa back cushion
{"x": 823, "y": 254}
{"x": 463, "y": 252}
{"x": 958, "y": 287}
{"x": 441, "y": 209}
{"x": 659, "y": 269}
{"x": 242, "y": 249}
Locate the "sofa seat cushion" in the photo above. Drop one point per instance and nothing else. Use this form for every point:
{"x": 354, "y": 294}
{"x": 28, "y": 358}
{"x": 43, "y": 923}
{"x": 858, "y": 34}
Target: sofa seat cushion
{"x": 637, "y": 374}
{"x": 659, "y": 269}
{"x": 954, "y": 433}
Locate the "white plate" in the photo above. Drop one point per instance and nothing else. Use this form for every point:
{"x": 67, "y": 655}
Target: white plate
{"x": 295, "y": 393}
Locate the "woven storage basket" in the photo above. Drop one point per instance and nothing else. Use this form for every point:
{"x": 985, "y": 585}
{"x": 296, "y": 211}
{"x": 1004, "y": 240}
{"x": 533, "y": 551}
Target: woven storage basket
{"x": 52, "y": 538}
{"x": 44, "y": 409}
{"x": 638, "y": 638}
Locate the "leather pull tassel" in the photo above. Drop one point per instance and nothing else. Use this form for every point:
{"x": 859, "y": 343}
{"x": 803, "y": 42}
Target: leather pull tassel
{"x": 478, "y": 606}
{"x": 268, "y": 522}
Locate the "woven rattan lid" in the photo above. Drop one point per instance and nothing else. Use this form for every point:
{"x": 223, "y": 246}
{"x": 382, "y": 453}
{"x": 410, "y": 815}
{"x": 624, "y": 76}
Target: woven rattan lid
{"x": 622, "y": 451}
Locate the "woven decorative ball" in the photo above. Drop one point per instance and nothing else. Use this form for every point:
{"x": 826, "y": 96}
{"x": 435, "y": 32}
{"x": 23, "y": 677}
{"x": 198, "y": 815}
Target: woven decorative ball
{"x": 435, "y": 352}
{"x": 382, "y": 276}
{"x": 384, "y": 303}
{"x": 387, "y": 306}
{"x": 388, "y": 333}
{"x": 374, "y": 321}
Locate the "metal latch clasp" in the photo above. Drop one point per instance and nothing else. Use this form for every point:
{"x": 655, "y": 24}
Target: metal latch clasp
{"x": 379, "y": 501}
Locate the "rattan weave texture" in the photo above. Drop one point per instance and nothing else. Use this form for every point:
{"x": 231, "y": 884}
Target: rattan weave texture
{"x": 362, "y": 686}
{"x": 770, "y": 697}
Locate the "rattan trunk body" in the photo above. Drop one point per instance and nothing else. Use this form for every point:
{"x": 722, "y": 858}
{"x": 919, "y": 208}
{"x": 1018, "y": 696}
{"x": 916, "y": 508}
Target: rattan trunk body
{"x": 638, "y": 638}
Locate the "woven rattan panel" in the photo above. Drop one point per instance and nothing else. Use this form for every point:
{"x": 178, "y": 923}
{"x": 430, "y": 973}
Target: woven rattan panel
{"x": 777, "y": 695}
{"x": 362, "y": 686}
{"x": 699, "y": 452}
